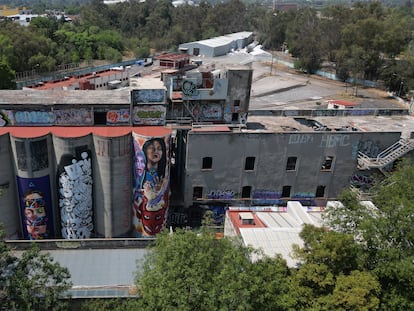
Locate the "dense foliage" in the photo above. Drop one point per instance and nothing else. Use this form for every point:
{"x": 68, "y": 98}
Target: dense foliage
{"x": 189, "y": 271}
{"x": 366, "y": 41}
{"x": 32, "y": 281}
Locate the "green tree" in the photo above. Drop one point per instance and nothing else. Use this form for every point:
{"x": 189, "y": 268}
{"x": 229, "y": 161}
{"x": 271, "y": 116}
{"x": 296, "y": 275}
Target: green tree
{"x": 31, "y": 282}
{"x": 305, "y": 40}
{"x": 190, "y": 271}
{"x": 6, "y": 76}
{"x": 385, "y": 234}
{"x": 331, "y": 276}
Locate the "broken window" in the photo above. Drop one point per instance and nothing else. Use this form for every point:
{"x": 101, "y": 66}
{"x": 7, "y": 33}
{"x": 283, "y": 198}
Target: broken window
{"x": 327, "y": 163}
{"x": 291, "y": 164}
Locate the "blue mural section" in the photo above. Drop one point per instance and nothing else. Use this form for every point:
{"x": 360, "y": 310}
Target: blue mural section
{"x": 36, "y": 207}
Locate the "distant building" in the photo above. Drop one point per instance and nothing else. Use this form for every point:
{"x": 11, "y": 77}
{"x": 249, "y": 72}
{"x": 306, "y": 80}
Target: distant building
{"x": 219, "y": 45}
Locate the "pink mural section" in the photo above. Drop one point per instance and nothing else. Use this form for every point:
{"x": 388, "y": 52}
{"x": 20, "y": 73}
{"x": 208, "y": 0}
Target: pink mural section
{"x": 151, "y": 184}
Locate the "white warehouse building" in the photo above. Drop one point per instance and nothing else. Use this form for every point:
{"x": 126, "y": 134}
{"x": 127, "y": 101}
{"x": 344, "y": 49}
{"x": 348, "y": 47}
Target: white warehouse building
{"x": 219, "y": 45}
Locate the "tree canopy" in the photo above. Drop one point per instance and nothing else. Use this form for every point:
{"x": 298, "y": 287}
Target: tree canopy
{"x": 190, "y": 271}
{"x": 32, "y": 281}
{"x": 365, "y": 41}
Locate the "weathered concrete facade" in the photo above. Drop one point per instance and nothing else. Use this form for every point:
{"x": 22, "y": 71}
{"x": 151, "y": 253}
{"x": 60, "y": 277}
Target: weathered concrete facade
{"x": 256, "y": 168}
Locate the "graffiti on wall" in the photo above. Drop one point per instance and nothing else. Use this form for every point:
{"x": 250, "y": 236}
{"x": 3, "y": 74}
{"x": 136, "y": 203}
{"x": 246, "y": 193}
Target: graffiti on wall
{"x": 4, "y": 119}
{"x": 81, "y": 116}
{"x": 35, "y": 207}
{"x": 121, "y": 116}
{"x": 149, "y": 115}
{"x": 333, "y": 141}
{"x": 151, "y": 184}
{"x": 305, "y": 198}
{"x": 267, "y": 197}
{"x": 147, "y": 96}
{"x": 219, "y": 212}
{"x": 369, "y": 148}
{"x": 75, "y": 196}
{"x": 206, "y": 112}
{"x": 361, "y": 180}
{"x": 221, "y": 195}
{"x": 300, "y": 138}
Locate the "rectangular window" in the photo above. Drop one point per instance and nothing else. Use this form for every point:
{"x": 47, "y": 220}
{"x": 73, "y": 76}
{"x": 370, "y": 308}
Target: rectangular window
{"x": 320, "y": 192}
{"x": 39, "y": 155}
{"x": 249, "y": 163}
{"x": 291, "y": 164}
{"x": 286, "y": 191}
{"x": 207, "y": 163}
{"x": 327, "y": 163}
{"x": 197, "y": 193}
{"x": 246, "y": 191}
{"x": 21, "y": 156}
{"x": 236, "y": 103}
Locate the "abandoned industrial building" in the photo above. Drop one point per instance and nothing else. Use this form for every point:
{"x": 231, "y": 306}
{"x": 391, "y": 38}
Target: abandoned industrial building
{"x": 70, "y": 163}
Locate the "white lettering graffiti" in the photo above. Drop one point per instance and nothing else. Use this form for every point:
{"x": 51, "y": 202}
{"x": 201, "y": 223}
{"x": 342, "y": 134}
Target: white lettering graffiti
{"x": 300, "y": 139}
{"x": 331, "y": 141}
{"x": 75, "y": 199}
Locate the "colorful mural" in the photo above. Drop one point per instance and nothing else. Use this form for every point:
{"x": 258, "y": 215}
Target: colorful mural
{"x": 151, "y": 184}
{"x": 148, "y": 96}
{"x": 75, "y": 196}
{"x": 149, "y": 115}
{"x": 120, "y": 116}
{"x": 36, "y": 207}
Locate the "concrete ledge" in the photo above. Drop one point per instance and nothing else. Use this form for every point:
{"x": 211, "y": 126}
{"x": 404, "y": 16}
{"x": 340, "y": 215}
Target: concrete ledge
{"x": 82, "y": 244}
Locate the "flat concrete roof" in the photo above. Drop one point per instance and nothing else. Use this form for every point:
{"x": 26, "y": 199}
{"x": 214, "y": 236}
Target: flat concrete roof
{"x": 396, "y": 123}
{"x": 61, "y": 97}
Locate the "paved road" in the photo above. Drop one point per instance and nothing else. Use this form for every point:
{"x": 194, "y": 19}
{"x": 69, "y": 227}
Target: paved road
{"x": 285, "y": 88}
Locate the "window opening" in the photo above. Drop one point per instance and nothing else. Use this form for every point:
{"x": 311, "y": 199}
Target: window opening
{"x": 197, "y": 192}
{"x": 246, "y": 191}
{"x": 249, "y": 163}
{"x": 291, "y": 163}
{"x": 286, "y": 191}
{"x": 207, "y": 163}
{"x": 327, "y": 163}
{"x": 320, "y": 192}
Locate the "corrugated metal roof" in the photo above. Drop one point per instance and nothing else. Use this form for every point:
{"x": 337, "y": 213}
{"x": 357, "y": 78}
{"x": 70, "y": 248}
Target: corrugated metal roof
{"x": 273, "y": 242}
{"x": 279, "y": 229}
{"x": 100, "y": 272}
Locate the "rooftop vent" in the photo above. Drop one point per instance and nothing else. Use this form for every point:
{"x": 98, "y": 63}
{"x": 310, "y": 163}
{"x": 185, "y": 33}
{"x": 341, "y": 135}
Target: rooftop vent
{"x": 246, "y": 218}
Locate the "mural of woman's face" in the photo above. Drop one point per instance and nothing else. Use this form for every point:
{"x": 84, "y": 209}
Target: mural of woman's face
{"x": 140, "y": 165}
{"x": 154, "y": 152}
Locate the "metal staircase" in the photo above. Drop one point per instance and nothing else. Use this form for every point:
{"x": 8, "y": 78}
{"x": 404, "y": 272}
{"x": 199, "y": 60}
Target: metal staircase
{"x": 389, "y": 155}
